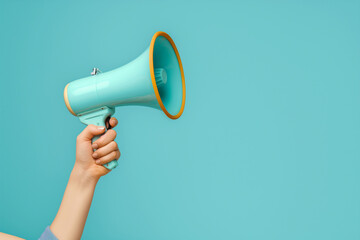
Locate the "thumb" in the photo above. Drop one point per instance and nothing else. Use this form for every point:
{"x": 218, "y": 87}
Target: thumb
{"x": 90, "y": 131}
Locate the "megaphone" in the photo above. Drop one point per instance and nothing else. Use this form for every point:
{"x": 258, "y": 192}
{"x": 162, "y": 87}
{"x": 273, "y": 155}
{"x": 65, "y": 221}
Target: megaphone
{"x": 154, "y": 79}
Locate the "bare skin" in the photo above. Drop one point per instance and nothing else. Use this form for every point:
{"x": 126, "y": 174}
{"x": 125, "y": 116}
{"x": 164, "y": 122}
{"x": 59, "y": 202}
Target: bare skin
{"x": 4, "y": 236}
{"x": 70, "y": 220}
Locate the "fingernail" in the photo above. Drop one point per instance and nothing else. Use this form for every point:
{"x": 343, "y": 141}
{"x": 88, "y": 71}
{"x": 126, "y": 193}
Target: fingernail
{"x": 97, "y": 161}
{"x": 95, "y": 146}
{"x": 101, "y": 128}
{"x": 95, "y": 155}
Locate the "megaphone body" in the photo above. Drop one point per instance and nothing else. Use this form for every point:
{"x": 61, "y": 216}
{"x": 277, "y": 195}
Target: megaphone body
{"x": 154, "y": 79}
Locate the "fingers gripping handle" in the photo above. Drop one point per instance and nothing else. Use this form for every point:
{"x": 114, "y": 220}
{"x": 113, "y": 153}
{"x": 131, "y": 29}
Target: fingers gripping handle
{"x": 110, "y": 165}
{"x": 98, "y": 118}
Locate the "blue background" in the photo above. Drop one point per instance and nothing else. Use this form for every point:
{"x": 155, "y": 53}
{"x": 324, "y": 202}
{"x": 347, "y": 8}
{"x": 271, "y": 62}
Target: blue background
{"x": 267, "y": 147}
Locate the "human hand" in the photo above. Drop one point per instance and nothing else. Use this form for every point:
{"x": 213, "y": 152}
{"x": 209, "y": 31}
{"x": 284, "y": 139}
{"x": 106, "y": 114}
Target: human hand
{"x": 90, "y": 162}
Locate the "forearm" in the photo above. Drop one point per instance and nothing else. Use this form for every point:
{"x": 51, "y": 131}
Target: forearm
{"x": 4, "y": 236}
{"x": 70, "y": 220}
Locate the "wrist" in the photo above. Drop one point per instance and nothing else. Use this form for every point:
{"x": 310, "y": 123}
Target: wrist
{"x": 83, "y": 176}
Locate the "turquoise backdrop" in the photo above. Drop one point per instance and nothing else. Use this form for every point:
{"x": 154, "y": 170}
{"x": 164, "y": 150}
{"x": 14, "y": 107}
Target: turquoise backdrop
{"x": 268, "y": 146}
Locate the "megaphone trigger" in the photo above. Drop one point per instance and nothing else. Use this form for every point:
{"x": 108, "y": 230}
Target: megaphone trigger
{"x": 107, "y": 123}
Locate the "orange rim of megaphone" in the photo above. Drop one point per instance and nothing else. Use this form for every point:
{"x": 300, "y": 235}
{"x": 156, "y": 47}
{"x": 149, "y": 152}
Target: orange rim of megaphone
{"x": 151, "y": 61}
{"x": 67, "y": 100}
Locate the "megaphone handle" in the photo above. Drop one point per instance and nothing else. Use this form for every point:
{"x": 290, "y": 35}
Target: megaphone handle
{"x": 98, "y": 118}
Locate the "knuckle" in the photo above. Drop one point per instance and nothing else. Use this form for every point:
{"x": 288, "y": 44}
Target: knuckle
{"x": 91, "y": 126}
{"x": 99, "y": 153}
{"x": 114, "y": 144}
{"x": 99, "y": 142}
{"x": 107, "y": 159}
{"x": 112, "y": 133}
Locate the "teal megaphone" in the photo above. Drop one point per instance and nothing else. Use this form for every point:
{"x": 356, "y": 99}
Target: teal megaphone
{"x": 154, "y": 79}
